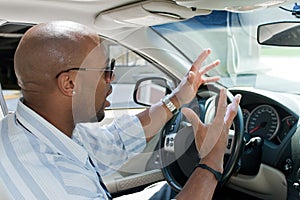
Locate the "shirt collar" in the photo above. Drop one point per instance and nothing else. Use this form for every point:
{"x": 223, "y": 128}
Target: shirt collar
{"x": 49, "y": 134}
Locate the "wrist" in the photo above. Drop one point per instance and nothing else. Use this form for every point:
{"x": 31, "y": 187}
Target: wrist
{"x": 174, "y": 100}
{"x": 217, "y": 174}
{"x": 171, "y": 103}
{"x": 215, "y": 163}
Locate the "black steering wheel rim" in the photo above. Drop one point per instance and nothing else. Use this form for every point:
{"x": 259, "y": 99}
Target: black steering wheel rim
{"x": 177, "y": 174}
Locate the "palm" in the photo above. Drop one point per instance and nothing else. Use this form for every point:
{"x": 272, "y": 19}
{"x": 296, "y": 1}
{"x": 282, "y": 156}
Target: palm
{"x": 189, "y": 85}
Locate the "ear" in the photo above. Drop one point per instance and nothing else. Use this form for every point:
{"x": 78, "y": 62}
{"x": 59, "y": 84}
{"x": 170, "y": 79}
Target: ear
{"x": 66, "y": 84}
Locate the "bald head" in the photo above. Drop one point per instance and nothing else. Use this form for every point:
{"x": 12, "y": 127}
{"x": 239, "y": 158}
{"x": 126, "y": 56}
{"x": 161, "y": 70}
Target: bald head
{"x": 49, "y": 48}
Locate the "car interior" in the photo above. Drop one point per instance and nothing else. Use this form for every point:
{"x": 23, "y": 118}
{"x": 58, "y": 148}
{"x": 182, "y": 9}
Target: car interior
{"x": 154, "y": 43}
{"x": 3, "y": 110}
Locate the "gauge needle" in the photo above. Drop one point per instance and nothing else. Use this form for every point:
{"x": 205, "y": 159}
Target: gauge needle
{"x": 262, "y": 125}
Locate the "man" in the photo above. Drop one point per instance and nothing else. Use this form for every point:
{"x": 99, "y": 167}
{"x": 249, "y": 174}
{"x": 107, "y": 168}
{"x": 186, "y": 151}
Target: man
{"x": 53, "y": 148}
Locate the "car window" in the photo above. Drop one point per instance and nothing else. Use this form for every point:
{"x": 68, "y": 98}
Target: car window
{"x": 129, "y": 68}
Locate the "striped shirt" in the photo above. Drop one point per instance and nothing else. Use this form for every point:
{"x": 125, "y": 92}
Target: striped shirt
{"x": 38, "y": 161}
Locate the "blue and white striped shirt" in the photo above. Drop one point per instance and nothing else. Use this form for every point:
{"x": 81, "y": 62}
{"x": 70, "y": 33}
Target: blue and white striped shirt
{"x": 38, "y": 161}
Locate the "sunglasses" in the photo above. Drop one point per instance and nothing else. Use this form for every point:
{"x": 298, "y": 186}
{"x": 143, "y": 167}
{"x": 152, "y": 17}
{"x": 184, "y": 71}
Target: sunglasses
{"x": 109, "y": 71}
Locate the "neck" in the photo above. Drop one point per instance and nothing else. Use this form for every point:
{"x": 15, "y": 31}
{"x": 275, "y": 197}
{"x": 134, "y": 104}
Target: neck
{"x": 58, "y": 114}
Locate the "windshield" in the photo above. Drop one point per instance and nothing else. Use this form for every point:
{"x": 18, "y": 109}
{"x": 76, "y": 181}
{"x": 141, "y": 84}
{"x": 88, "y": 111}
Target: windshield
{"x": 232, "y": 38}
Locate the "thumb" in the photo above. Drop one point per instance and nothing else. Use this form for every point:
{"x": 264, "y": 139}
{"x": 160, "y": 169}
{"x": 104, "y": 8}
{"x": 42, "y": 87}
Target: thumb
{"x": 191, "y": 77}
{"x": 231, "y": 110}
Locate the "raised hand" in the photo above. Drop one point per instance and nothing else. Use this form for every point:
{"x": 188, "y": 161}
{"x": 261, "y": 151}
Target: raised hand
{"x": 211, "y": 139}
{"x": 189, "y": 85}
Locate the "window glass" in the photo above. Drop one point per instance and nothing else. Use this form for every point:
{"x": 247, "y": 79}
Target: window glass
{"x": 129, "y": 68}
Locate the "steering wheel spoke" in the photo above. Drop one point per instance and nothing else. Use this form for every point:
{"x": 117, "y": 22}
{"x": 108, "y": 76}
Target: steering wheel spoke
{"x": 230, "y": 142}
{"x": 169, "y": 142}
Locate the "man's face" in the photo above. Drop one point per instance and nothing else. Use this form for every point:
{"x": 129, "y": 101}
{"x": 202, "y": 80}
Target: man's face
{"x": 92, "y": 88}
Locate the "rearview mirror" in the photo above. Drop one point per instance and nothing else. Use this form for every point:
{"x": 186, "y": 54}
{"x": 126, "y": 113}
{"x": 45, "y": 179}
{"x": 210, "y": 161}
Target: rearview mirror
{"x": 150, "y": 90}
{"x": 279, "y": 34}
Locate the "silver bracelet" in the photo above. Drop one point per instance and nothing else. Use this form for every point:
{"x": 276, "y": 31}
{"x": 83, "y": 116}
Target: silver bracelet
{"x": 169, "y": 104}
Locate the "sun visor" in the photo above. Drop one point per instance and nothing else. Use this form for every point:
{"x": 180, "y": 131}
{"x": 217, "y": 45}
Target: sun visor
{"x": 146, "y": 13}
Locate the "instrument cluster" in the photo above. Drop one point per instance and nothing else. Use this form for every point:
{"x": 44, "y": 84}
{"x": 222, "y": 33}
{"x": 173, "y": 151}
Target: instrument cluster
{"x": 267, "y": 121}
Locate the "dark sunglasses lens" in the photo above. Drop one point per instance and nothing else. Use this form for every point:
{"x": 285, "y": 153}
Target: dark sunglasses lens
{"x": 112, "y": 64}
{"x": 109, "y": 73}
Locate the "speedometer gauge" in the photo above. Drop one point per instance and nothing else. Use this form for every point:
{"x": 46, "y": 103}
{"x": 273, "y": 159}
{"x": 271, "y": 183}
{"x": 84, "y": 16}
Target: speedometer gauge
{"x": 263, "y": 121}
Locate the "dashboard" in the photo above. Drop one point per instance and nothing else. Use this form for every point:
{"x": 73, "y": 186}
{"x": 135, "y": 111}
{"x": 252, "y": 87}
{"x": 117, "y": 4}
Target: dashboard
{"x": 269, "y": 115}
{"x": 268, "y": 161}
{"x": 274, "y": 117}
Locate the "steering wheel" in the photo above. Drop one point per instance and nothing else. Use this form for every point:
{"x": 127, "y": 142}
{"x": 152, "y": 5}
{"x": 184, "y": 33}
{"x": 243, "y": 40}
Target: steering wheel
{"x": 178, "y": 153}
